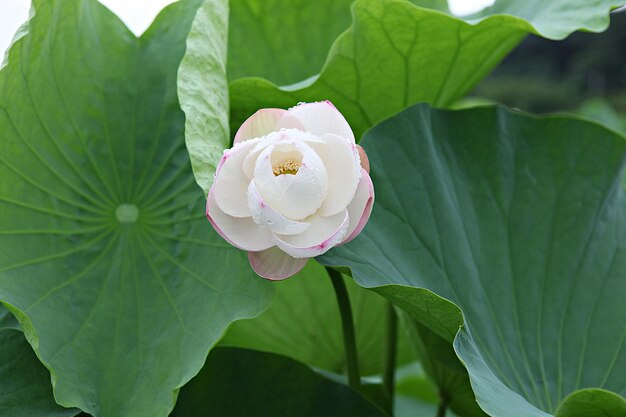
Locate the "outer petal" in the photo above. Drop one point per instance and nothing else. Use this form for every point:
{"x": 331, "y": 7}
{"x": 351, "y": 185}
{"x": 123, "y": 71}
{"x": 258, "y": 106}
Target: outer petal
{"x": 294, "y": 196}
{"x": 275, "y": 264}
{"x": 241, "y": 232}
{"x": 341, "y": 160}
{"x": 259, "y": 124}
{"x": 318, "y": 118}
{"x": 231, "y": 183}
{"x": 360, "y": 207}
{"x": 324, "y": 233}
{"x": 265, "y": 216}
{"x": 365, "y": 162}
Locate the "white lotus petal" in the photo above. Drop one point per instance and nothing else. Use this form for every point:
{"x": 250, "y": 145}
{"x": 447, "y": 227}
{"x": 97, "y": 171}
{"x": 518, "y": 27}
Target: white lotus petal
{"x": 265, "y": 216}
{"x": 241, "y": 232}
{"x": 250, "y": 161}
{"x": 294, "y": 196}
{"x": 341, "y": 160}
{"x": 231, "y": 185}
{"x": 318, "y": 118}
{"x": 259, "y": 124}
{"x": 360, "y": 207}
{"x": 323, "y": 234}
{"x": 274, "y": 264}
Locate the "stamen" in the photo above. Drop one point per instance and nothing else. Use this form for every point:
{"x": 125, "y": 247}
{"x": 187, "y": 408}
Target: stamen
{"x": 289, "y": 167}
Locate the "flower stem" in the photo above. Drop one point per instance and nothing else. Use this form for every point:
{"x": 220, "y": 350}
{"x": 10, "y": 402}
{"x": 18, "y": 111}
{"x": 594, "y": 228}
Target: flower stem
{"x": 347, "y": 324}
{"x": 443, "y": 405}
{"x": 391, "y": 346}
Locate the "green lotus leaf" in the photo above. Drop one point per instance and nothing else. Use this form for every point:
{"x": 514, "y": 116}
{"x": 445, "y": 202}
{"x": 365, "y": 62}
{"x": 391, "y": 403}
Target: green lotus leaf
{"x": 602, "y": 111}
{"x": 441, "y": 364}
{"x": 241, "y": 383}
{"x": 119, "y": 282}
{"x": 397, "y": 54}
{"x": 304, "y": 323}
{"x": 441, "y": 5}
{"x": 415, "y": 393}
{"x": 592, "y": 403}
{"x": 25, "y": 389}
{"x": 557, "y": 20}
{"x": 7, "y": 321}
{"x": 283, "y": 41}
{"x": 203, "y": 91}
{"x": 521, "y": 223}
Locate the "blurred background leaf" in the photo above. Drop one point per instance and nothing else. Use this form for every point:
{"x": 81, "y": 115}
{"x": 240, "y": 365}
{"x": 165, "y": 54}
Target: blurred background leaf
{"x": 303, "y": 323}
{"x": 544, "y": 76}
{"x": 242, "y": 383}
{"x": 444, "y": 368}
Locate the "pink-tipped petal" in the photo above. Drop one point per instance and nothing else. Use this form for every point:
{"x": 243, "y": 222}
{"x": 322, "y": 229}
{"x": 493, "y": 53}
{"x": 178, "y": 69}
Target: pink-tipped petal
{"x": 274, "y": 264}
{"x": 231, "y": 184}
{"x": 341, "y": 161}
{"x": 265, "y": 216}
{"x": 259, "y": 124}
{"x": 317, "y": 118}
{"x": 365, "y": 162}
{"x": 241, "y": 232}
{"x": 360, "y": 207}
{"x": 322, "y": 235}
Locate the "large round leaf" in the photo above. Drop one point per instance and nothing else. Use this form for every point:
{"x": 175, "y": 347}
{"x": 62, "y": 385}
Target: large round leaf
{"x": 118, "y": 281}
{"x": 396, "y": 54}
{"x": 521, "y": 222}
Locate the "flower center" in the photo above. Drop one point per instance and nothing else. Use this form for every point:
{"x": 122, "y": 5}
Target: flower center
{"x": 289, "y": 167}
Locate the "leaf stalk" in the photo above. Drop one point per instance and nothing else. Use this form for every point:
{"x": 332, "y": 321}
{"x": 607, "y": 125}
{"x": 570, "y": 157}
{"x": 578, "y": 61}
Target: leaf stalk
{"x": 347, "y": 325}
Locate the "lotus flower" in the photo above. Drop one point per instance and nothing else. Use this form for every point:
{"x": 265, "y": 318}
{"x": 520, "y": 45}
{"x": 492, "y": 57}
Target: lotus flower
{"x": 294, "y": 185}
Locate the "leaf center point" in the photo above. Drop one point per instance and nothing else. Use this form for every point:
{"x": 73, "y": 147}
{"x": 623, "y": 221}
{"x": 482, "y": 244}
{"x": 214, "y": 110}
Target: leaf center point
{"x": 127, "y": 213}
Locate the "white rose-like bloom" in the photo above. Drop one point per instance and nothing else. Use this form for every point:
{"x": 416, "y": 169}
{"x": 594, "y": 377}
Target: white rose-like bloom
{"x": 294, "y": 185}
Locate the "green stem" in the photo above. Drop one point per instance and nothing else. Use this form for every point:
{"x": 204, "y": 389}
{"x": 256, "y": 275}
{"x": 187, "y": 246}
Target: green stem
{"x": 347, "y": 324}
{"x": 443, "y": 405}
{"x": 391, "y": 347}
